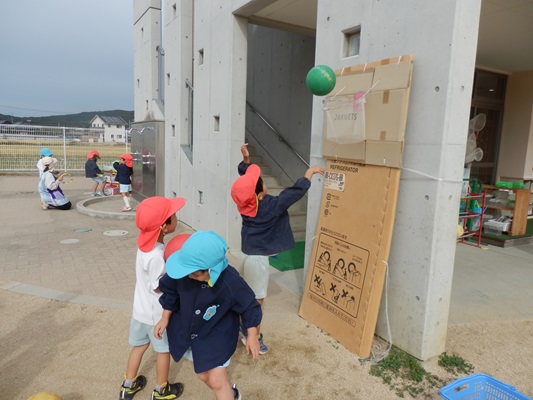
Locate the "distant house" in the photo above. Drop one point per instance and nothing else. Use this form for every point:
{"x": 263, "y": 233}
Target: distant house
{"x": 114, "y": 128}
{"x": 5, "y": 122}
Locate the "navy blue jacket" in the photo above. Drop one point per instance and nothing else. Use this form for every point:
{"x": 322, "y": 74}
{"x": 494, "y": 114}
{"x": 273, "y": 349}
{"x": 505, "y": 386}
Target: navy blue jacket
{"x": 123, "y": 173}
{"x": 269, "y": 232}
{"x": 206, "y": 319}
{"x": 91, "y": 168}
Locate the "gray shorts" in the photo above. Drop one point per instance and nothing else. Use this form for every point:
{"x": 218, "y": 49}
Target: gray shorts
{"x": 141, "y": 334}
{"x": 256, "y": 273}
{"x": 98, "y": 179}
{"x": 125, "y": 188}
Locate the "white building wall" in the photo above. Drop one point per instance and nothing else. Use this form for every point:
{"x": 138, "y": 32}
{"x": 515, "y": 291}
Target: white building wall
{"x": 147, "y": 37}
{"x": 442, "y": 36}
{"x": 178, "y": 39}
{"x": 219, "y": 91}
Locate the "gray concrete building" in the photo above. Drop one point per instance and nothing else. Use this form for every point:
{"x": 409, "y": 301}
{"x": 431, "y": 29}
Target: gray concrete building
{"x": 212, "y": 74}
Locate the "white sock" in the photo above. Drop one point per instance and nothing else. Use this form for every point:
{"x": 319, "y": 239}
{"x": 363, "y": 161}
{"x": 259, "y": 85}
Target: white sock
{"x": 127, "y": 201}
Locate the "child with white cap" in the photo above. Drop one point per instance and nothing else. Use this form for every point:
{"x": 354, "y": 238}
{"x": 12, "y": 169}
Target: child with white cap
{"x": 49, "y": 187}
{"x": 155, "y": 218}
{"x": 204, "y": 298}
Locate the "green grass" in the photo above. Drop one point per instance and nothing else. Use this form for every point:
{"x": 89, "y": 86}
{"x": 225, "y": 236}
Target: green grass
{"x": 24, "y": 156}
{"x": 405, "y": 375}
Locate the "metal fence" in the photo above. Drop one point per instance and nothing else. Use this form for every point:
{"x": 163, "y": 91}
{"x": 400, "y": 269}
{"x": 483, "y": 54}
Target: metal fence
{"x": 20, "y": 146}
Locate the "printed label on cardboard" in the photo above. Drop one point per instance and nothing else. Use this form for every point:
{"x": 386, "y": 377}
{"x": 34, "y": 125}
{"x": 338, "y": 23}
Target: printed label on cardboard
{"x": 334, "y": 181}
{"x": 338, "y": 275}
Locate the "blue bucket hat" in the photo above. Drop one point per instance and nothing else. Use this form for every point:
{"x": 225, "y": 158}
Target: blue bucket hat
{"x": 203, "y": 250}
{"x": 46, "y": 152}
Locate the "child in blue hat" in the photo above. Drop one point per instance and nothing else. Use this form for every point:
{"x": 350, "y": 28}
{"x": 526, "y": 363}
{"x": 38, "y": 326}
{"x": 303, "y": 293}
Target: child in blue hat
{"x": 203, "y": 300}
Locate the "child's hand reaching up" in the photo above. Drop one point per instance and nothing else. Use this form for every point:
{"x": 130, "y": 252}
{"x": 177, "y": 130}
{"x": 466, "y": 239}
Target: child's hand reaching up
{"x": 315, "y": 169}
{"x": 245, "y": 153}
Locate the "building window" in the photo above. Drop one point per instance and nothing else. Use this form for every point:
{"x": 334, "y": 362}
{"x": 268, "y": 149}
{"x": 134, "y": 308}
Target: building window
{"x": 168, "y": 79}
{"x": 119, "y": 136}
{"x": 174, "y": 10}
{"x": 216, "y": 123}
{"x": 352, "y": 42}
{"x": 109, "y": 125}
{"x": 201, "y": 57}
{"x": 112, "y": 136}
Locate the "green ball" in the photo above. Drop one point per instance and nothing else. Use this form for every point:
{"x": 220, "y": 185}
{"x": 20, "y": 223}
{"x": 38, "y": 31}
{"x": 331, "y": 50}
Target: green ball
{"x": 320, "y": 80}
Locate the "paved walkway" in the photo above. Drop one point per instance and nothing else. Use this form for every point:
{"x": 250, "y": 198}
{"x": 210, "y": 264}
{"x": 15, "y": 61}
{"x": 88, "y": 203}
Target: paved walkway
{"x": 77, "y": 257}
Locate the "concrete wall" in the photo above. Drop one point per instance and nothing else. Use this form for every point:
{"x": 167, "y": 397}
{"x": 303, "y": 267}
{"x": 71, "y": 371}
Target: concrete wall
{"x": 146, "y": 37}
{"x": 219, "y": 80}
{"x": 516, "y": 145}
{"x": 278, "y": 62}
{"x": 442, "y": 37}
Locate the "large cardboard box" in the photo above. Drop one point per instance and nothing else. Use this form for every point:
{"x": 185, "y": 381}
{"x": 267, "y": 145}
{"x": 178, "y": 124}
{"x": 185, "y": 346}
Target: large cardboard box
{"x": 366, "y": 112}
{"x": 347, "y": 269}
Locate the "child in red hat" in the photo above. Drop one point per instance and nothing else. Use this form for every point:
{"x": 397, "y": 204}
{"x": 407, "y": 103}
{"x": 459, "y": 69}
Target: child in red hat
{"x": 155, "y": 218}
{"x": 266, "y": 226}
{"x": 124, "y": 168}
{"x": 93, "y": 171}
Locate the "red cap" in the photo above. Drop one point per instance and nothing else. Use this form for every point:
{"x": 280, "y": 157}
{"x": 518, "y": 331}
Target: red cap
{"x": 93, "y": 153}
{"x": 175, "y": 244}
{"x": 243, "y": 191}
{"x": 128, "y": 158}
{"x": 151, "y": 214}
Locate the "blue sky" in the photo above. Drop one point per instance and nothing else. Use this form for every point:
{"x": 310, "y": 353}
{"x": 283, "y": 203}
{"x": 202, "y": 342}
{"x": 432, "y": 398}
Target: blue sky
{"x": 65, "y": 56}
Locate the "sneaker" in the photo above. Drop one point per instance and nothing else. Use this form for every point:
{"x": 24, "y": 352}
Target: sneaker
{"x": 94, "y": 194}
{"x": 100, "y": 193}
{"x": 236, "y": 393}
{"x": 262, "y": 347}
{"x": 169, "y": 391}
{"x": 126, "y": 208}
{"x": 127, "y": 393}
{"x": 44, "y": 205}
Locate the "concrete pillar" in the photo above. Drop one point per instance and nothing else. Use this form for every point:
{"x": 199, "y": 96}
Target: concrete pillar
{"x": 442, "y": 37}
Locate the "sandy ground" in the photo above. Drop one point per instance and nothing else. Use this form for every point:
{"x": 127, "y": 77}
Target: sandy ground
{"x": 80, "y": 352}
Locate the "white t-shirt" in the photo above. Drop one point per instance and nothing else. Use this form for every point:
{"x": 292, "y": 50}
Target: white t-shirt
{"x": 149, "y": 267}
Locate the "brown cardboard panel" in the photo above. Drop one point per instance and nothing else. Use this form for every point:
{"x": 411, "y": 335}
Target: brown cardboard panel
{"x": 386, "y": 115}
{"x": 393, "y": 76}
{"x": 382, "y": 116}
{"x": 352, "y": 83}
{"x": 353, "y": 152}
{"x": 383, "y": 153}
{"x": 347, "y": 268}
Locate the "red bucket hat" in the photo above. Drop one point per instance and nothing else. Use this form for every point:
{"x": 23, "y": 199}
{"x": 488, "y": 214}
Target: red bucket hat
{"x": 128, "y": 158}
{"x": 175, "y": 244}
{"x": 151, "y": 214}
{"x": 243, "y": 191}
{"x": 93, "y": 153}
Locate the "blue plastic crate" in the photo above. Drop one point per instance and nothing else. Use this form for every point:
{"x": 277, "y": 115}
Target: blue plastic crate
{"x": 480, "y": 387}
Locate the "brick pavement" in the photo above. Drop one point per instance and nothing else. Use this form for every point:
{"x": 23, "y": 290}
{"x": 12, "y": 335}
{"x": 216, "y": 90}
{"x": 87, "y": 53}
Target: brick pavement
{"x": 32, "y": 252}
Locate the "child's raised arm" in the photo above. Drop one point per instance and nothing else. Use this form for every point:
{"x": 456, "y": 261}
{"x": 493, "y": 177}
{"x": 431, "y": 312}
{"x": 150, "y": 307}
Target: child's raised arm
{"x": 245, "y": 153}
{"x": 315, "y": 169}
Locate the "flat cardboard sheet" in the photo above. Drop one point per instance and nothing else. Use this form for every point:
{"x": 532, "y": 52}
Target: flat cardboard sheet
{"x": 369, "y": 103}
{"x": 347, "y": 270}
